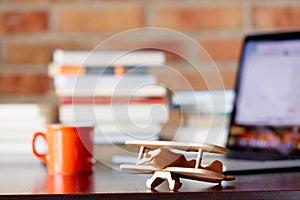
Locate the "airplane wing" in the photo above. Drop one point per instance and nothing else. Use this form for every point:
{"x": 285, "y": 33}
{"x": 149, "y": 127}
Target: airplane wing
{"x": 178, "y": 145}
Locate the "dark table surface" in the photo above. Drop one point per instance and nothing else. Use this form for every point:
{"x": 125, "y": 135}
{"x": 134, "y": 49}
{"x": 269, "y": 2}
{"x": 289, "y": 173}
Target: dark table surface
{"x": 25, "y": 177}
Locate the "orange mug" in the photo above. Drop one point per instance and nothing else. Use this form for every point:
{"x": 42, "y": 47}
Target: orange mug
{"x": 70, "y": 148}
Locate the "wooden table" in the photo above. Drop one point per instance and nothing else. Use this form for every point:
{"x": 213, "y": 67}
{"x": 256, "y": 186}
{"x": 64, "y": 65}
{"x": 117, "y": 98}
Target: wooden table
{"x": 25, "y": 177}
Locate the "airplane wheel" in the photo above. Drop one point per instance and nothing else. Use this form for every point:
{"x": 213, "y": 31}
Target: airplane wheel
{"x": 174, "y": 185}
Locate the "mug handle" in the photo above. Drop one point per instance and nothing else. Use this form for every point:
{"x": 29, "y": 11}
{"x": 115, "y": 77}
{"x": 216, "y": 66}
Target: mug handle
{"x": 40, "y": 156}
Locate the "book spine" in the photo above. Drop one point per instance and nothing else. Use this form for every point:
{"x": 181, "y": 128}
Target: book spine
{"x": 54, "y": 70}
{"x": 133, "y": 113}
{"x": 119, "y": 139}
{"x": 89, "y": 81}
{"x": 110, "y": 100}
{"x": 132, "y": 129}
{"x": 147, "y": 91}
{"x": 109, "y": 58}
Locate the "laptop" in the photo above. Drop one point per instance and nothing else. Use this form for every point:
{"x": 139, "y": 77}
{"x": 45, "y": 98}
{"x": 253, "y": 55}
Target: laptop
{"x": 264, "y": 132}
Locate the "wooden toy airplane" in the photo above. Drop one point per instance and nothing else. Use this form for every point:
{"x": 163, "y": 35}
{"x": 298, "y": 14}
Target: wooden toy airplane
{"x": 158, "y": 158}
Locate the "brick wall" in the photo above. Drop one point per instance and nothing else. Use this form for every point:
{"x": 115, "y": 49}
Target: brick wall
{"x": 31, "y": 29}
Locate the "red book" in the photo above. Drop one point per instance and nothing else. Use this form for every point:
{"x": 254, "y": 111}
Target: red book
{"x": 109, "y": 100}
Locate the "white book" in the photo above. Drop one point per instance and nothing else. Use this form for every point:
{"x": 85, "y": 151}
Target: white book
{"x": 25, "y": 133}
{"x": 109, "y": 58}
{"x": 134, "y": 129}
{"x": 120, "y": 139}
{"x": 20, "y": 120}
{"x": 17, "y": 111}
{"x": 19, "y": 125}
{"x": 10, "y": 148}
{"x": 210, "y": 135}
{"x": 12, "y": 129}
{"x": 133, "y": 113}
{"x": 207, "y": 120}
{"x": 94, "y": 81}
{"x": 27, "y": 113}
{"x": 205, "y": 101}
{"x": 145, "y": 91}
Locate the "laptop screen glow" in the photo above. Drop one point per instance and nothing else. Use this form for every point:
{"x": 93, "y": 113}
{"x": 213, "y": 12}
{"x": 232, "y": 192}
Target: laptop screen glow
{"x": 270, "y": 84}
{"x": 266, "y": 112}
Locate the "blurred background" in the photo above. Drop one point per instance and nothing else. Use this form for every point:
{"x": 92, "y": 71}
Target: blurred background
{"x": 30, "y": 30}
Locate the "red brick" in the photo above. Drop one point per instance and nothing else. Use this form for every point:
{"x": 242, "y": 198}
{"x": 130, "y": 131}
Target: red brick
{"x": 100, "y": 19}
{"x": 29, "y": 1}
{"x": 225, "y": 49}
{"x": 24, "y": 84}
{"x": 23, "y": 22}
{"x": 40, "y": 53}
{"x": 276, "y": 16}
{"x": 195, "y": 18}
{"x": 191, "y": 79}
{"x": 173, "y": 49}
{"x": 43, "y": 1}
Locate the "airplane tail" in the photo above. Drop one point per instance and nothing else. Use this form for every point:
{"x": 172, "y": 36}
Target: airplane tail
{"x": 216, "y": 166}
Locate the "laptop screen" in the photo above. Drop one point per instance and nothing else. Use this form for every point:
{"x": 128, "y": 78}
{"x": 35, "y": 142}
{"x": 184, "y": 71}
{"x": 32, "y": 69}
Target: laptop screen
{"x": 266, "y": 113}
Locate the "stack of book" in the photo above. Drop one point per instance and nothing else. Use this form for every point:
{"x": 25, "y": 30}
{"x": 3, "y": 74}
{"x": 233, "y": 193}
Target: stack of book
{"x": 18, "y": 124}
{"x": 205, "y": 115}
{"x": 113, "y": 90}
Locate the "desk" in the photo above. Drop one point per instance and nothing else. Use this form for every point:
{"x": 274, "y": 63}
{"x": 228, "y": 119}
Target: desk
{"x": 23, "y": 177}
